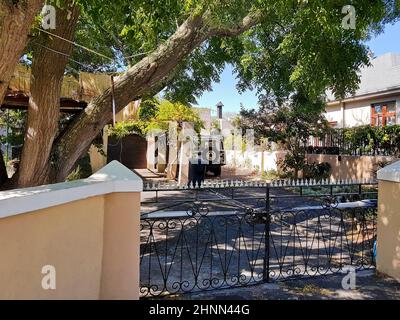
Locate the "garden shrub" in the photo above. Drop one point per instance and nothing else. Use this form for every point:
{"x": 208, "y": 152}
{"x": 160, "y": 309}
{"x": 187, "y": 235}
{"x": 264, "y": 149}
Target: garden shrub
{"x": 317, "y": 171}
{"x": 371, "y": 140}
{"x": 82, "y": 170}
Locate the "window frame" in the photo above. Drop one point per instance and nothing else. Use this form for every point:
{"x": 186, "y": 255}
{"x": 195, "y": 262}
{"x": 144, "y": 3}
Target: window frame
{"x": 384, "y": 115}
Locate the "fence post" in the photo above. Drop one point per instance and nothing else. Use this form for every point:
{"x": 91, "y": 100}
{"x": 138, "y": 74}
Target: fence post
{"x": 121, "y": 235}
{"x": 388, "y": 221}
{"x": 266, "y": 234}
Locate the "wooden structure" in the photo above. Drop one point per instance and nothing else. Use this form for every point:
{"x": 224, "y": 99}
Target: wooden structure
{"x": 75, "y": 93}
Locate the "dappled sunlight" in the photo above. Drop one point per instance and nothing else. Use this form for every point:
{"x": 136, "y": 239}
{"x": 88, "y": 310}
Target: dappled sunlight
{"x": 31, "y": 133}
{"x": 385, "y": 221}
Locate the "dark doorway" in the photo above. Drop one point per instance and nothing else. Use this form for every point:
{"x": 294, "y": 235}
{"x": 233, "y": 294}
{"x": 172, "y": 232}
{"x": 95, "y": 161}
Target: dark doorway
{"x": 131, "y": 151}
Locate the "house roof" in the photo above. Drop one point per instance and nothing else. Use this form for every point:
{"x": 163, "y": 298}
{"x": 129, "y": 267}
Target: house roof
{"x": 382, "y": 76}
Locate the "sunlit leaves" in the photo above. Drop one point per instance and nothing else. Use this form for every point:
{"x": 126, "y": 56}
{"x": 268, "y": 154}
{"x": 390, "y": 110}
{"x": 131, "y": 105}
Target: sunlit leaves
{"x": 298, "y": 45}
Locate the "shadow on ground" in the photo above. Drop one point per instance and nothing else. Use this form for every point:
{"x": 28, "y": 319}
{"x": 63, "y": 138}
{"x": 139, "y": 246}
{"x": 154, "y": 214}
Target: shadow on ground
{"x": 369, "y": 286}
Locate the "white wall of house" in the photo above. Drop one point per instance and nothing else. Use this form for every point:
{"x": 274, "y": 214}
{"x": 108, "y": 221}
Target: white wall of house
{"x": 334, "y": 114}
{"x": 379, "y": 82}
{"x": 357, "y": 113}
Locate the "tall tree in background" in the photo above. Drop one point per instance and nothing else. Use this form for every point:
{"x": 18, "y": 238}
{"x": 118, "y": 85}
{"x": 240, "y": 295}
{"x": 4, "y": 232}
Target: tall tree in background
{"x": 289, "y": 125}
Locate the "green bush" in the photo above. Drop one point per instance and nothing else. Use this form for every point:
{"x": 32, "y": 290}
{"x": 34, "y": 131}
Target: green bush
{"x": 317, "y": 171}
{"x": 270, "y": 175}
{"x": 371, "y": 140}
{"x": 82, "y": 170}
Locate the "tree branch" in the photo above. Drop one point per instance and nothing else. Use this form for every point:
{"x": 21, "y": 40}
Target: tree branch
{"x": 248, "y": 21}
{"x": 142, "y": 79}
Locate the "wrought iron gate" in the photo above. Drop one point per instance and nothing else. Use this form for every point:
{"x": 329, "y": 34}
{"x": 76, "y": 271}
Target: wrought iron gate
{"x": 228, "y": 234}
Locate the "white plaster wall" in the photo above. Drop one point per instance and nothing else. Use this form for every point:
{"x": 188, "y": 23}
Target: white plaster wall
{"x": 357, "y": 113}
{"x": 252, "y": 160}
{"x": 334, "y": 113}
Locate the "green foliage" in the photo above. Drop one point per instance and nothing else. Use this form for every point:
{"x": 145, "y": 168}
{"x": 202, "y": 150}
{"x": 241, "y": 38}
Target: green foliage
{"x": 297, "y": 46}
{"x": 157, "y": 115}
{"x": 125, "y": 128}
{"x": 303, "y": 47}
{"x": 289, "y": 125}
{"x": 317, "y": 171}
{"x": 16, "y": 120}
{"x": 148, "y": 109}
{"x": 270, "y": 175}
{"x": 368, "y": 139}
{"x": 82, "y": 170}
{"x": 176, "y": 112}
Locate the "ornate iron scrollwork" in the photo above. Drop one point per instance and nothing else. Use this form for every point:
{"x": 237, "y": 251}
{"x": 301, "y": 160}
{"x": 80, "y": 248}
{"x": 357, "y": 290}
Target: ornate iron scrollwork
{"x": 330, "y": 202}
{"x": 198, "y": 208}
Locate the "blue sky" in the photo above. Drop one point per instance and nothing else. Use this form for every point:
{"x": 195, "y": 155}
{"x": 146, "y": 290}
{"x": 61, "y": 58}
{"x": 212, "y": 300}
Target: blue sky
{"x": 226, "y": 92}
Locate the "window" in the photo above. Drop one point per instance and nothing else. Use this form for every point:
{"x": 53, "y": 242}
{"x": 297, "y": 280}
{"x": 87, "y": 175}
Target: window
{"x": 383, "y": 114}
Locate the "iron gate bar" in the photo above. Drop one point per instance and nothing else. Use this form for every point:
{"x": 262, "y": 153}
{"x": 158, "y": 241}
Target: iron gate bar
{"x": 207, "y": 250}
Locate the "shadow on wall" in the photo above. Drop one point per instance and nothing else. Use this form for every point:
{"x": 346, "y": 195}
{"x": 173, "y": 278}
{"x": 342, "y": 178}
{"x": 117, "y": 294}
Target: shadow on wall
{"x": 352, "y": 167}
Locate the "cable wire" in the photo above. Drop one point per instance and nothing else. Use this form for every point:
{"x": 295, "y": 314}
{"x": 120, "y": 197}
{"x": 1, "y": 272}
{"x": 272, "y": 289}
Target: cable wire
{"x": 91, "y": 50}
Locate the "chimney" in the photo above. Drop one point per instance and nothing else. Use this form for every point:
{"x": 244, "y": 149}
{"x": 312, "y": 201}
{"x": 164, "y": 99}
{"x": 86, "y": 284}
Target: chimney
{"x": 219, "y": 110}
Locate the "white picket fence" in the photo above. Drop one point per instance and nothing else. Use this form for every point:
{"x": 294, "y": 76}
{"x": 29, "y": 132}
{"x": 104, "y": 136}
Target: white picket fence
{"x": 220, "y": 184}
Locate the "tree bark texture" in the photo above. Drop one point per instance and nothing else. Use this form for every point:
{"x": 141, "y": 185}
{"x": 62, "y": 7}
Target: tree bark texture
{"x": 50, "y": 58}
{"x": 16, "y": 18}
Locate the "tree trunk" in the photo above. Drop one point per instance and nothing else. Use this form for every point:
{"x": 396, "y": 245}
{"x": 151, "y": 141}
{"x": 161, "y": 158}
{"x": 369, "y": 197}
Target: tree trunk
{"x": 44, "y": 103}
{"x": 16, "y": 18}
{"x": 3, "y": 170}
{"x": 138, "y": 81}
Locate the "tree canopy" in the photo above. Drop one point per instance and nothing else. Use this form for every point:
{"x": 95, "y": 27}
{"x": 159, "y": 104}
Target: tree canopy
{"x": 297, "y": 44}
{"x": 281, "y": 48}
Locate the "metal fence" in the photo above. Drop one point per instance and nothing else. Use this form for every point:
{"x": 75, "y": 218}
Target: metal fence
{"x": 372, "y": 142}
{"x": 234, "y": 233}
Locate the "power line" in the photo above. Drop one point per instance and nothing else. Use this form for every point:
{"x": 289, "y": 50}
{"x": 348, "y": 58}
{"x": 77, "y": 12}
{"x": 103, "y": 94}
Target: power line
{"x": 75, "y": 44}
{"x": 91, "y": 50}
{"x": 61, "y": 53}
{"x": 66, "y": 55}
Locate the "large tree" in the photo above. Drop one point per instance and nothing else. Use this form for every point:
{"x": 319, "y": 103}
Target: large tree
{"x": 16, "y": 18}
{"x": 277, "y": 46}
{"x": 50, "y": 57}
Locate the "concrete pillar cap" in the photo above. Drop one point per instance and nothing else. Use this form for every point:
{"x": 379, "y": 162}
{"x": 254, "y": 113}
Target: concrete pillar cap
{"x": 390, "y": 172}
{"x": 114, "y": 177}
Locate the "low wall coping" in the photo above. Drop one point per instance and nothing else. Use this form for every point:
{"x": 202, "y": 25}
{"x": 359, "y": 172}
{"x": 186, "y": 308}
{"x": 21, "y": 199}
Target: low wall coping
{"x": 390, "y": 172}
{"x": 114, "y": 177}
